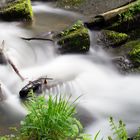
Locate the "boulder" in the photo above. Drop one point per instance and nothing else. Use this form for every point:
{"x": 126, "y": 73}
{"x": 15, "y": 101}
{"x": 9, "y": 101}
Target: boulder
{"x": 134, "y": 51}
{"x": 112, "y": 38}
{"x": 122, "y": 19}
{"x": 12, "y": 10}
{"x": 74, "y": 39}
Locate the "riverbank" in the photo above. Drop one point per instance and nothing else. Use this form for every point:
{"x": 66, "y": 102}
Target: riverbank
{"x": 94, "y": 7}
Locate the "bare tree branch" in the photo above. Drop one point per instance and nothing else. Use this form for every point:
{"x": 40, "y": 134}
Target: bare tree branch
{"x": 9, "y": 61}
{"x": 15, "y": 69}
{"x": 37, "y": 38}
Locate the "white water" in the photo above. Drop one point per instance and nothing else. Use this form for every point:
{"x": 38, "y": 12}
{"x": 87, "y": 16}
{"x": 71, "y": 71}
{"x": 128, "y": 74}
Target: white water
{"x": 104, "y": 92}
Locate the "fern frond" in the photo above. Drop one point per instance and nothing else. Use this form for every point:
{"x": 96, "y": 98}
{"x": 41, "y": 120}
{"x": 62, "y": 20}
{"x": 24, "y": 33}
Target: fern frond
{"x": 118, "y": 130}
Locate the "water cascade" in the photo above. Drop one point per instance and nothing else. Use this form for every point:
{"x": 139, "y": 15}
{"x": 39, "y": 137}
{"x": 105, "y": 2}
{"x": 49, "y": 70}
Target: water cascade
{"x": 104, "y": 91}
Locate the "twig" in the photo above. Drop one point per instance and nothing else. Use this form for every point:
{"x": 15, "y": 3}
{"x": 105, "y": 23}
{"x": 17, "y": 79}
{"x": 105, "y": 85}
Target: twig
{"x": 15, "y": 69}
{"x": 37, "y": 38}
{"x": 9, "y": 61}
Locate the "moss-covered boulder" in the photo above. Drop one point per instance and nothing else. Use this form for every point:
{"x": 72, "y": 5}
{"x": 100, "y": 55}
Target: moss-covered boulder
{"x": 122, "y": 19}
{"x": 112, "y": 38}
{"x": 17, "y": 10}
{"x": 128, "y": 20}
{"x": 134, "y": 51}
{"x": 74, "y": 40}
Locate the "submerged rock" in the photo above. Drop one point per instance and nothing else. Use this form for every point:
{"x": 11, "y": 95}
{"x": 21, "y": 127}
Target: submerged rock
{"x": 74, "y": 39}
{"x": 123, "y": 64}
{"x": 16, "y": 10}
{"x": 90, "y": 7}
{"x": 127, "y": 57}
{"x": 70, "y": 4}
{"x": 3, "y": 59}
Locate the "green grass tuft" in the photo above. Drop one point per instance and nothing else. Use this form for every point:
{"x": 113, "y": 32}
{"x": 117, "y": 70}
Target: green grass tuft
{"x": 51, "y": 120}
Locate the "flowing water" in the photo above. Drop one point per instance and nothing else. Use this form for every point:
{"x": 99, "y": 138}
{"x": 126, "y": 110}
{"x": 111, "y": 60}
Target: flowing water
{"x": 104, "y": 91}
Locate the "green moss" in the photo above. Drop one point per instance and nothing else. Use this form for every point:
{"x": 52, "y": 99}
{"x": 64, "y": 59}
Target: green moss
{"x": 20, "y": 10}
{"x": 113, "y": 38}
{"x": 74, "y": 39}
{"x": 134, "y": 51}
{"x": 131, "y": 12}
{"x": 78, "y": 25}
{"x": 127, "y": 20}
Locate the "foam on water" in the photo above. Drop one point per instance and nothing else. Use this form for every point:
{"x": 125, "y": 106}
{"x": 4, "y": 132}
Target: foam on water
{"x": 104, "y": 92}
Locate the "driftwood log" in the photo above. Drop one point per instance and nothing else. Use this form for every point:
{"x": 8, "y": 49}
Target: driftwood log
{"x": 108, "y": 18}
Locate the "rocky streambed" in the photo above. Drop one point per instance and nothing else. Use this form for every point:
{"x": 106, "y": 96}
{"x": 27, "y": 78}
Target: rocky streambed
{"x": 73, "y": 59}
{"x": 119, "y": 29}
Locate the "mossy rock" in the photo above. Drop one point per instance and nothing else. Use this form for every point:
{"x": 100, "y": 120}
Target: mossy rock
{"x": 113, "y": 39}
{"x": 74, "y": 40}
{"x": 134, "y": 70}
{"x": 134, "y": 34}
{"x": 122, "y": 19}
{"x": 134, "y": 51}
{"x": 17, "y": 10}
{"x": 127, "y": 20}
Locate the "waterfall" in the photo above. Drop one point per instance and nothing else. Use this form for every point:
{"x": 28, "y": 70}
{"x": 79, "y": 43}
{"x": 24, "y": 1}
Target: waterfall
{"x": 104, "y": 91}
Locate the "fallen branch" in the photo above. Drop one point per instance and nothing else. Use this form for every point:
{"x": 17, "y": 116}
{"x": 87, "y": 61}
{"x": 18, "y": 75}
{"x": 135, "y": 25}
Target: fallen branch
{"x": 15, "y": 69}
{"x": 108, "y": 18}
{"x": 9, "y": 61}
{"x": 37, "y": 38}
{"x": 113, "y": 13}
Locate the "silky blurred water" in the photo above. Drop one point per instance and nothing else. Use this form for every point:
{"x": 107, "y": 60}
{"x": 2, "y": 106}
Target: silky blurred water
{"x": 104, "y": 91}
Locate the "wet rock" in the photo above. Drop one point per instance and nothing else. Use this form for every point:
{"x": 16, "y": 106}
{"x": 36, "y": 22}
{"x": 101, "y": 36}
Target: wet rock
{"x": 134, "y": 51}
{"x": 70, "y": 4}
{"x": 91, "y": 7}
{"x": 122, "y": 19}
{"x": 16, "y": 10}
{"x": 112, "y": 38}
{"x": 94, "y": 7}
{"x": 127, "y": 57}
{"x": 123, "y": 64}
{"x": 74, "y": 39}
{"x": 3, "y": 59}
{"x": 36, "y": 86}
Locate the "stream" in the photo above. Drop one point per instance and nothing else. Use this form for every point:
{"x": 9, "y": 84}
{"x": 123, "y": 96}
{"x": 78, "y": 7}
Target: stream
{"x": 104, "y": 91}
